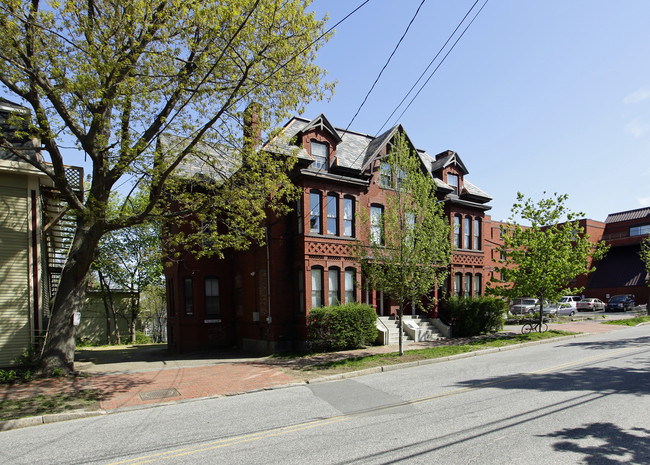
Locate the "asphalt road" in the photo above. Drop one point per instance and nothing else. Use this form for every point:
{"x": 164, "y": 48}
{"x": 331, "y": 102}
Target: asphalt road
{"x": 583, "y": 400}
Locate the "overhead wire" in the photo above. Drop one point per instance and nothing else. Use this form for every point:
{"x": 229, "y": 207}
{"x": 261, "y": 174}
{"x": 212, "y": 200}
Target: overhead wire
{"x": 427, "y": 68}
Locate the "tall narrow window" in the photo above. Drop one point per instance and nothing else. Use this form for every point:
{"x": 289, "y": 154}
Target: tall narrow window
{"x": 299, "y": 218}
{"x": 478, "y": 285}
{"x": 212, "y": 306}
{"x": 458, "y": 280}
{"x": 452, "y": 180}
{"x": 316, "y": 287}
{"x": 467, "y": 230}
{"x": 333, "y": 214}
{"x": 334, "y": 297}
{"x": 188, "y": 296}
{"x": 457, "y": 236}
{"x": 401, "y": 177}
{"x": 376, "y": 224}
{"x": 477, "y": 234}
{"x": 349, "y": 285}
{"x": 409, "y": 219}
{"x": 319, "y": 154}
{"x": 385, "y": 175}
{"x": 348, "y": 217}
{"x": 468, "y": 285}
{"x": 301, "y": 291}
{"x": 314, "y": 213}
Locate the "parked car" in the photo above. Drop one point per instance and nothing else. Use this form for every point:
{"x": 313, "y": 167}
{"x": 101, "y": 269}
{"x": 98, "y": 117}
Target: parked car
{"x": 620, "y": 303}
{"x": 524, "y": 306}
{"x": 590, "y": 304}
{"x": 557, "y": 309}
{"x": 569, "y": 301}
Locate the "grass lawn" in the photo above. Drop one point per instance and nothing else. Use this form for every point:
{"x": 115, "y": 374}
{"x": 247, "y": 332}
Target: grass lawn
{"x": 12, "y": 409}
{"x": 629, "y": 321}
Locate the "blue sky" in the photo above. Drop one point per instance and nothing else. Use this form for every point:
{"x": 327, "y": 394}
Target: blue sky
{"x": 537, "y": 96}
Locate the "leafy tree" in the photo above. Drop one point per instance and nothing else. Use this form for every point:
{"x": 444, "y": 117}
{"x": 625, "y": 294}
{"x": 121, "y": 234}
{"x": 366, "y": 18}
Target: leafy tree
{"x": 541, "y": 259}
{"x": 111, "y": 76}
{"x": 645, "y": 255}
{"x": 407, "y": 251}
{"x": 154, "y": 311}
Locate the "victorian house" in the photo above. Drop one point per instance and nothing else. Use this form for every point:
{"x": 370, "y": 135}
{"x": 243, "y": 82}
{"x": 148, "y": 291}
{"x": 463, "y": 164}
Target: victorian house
{"x": 260, "y": 299}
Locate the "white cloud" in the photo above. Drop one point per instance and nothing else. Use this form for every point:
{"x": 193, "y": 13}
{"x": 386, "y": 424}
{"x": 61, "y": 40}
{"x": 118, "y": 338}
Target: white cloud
{"x": 644, "y": 201}
{"x": 638, "y": 96}
{"x": 637, "y": 128}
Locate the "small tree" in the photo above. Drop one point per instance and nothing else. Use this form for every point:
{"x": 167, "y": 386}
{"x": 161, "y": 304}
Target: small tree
{"x": 540, "y": 260}
{"x": 645, "y": 256}
{"x": 407, "y": 250}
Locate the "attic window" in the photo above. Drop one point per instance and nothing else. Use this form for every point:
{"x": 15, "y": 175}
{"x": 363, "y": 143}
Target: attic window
{"x": 318, "y": 152}
{"x": 452, "y": 180}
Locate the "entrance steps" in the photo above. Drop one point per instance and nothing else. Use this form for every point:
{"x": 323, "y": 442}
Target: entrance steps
{"x": 415, "y": 329}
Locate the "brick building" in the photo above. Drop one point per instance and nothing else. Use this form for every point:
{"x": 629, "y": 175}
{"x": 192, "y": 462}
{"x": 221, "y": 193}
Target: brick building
{"x": 260, "y": 299}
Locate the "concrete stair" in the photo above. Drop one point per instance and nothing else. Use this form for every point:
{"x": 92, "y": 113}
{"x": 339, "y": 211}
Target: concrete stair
{"x": 415, "y": 329}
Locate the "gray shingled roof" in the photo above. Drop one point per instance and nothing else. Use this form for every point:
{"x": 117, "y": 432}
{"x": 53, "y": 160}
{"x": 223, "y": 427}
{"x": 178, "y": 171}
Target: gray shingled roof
{"x": 628, "y": 215}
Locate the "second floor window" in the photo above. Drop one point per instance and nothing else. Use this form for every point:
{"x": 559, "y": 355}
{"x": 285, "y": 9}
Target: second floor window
{"x": 467, "y": 244}
{"x": 457, "y": 236}
{"x": 385, "y": 175}
{"x": 188, "y": 296}
{"x": 212, "y": 306}
{"x": 332, "y": 214}
{"x": 348, "y": 217}
{"x": 314, "y": 212}
{"x": 319, "y": 154}
{"x": 376, "y": 224}
{"x": 452, "y": 180}
{"x": 477, "y": 234}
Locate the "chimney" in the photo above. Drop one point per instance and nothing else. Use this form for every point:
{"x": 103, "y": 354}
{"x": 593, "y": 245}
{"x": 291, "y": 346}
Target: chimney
{"x": 252, "y": 127}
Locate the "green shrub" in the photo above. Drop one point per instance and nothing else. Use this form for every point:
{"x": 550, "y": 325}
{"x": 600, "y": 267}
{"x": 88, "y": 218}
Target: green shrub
{"x": 142, "y": 338}
{"x": 341, "y": 327}
{"x": 473, "y": 316}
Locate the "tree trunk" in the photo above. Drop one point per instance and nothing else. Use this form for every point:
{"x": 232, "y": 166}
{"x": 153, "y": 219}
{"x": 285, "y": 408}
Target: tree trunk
{"x": 58, "y": 351}
{"x": 541, "y": 312}
{"x": 400, "y": 315}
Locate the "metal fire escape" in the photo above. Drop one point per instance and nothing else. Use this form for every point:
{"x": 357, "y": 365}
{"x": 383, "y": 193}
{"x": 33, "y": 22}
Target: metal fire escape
{"x": 58, "y": 228}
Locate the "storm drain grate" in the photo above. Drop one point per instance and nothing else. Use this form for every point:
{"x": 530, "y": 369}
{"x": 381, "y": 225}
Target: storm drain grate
{"x": 159, "y": 394}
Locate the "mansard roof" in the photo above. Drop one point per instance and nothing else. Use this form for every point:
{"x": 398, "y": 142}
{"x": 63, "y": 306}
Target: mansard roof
{"x": 640, "y": 213}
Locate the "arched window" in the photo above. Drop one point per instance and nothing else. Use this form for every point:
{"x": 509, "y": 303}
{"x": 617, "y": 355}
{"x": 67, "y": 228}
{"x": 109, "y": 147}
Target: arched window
{"x": 468, "y": 285}
{"x": 348, "y": 216}
{"x": 315, "y": 224}
{"x": 458, "y": 283}
{"x": 377, "y": 224}
{"x": 333, "y": 214}
{"x": 333, "y": 287}
{"x": 457, "y": 236}
{"x": 316, "y": 287}
{"x": 467, "y": 230}
{"x": 477, "y": 234}
{"x": 350, "y": 277}
{"x": 319, "y": 154}
{"x": 478, "y": 284}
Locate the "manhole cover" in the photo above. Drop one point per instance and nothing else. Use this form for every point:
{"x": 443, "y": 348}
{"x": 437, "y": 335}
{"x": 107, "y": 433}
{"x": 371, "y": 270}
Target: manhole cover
{"x": 159, "y": 394}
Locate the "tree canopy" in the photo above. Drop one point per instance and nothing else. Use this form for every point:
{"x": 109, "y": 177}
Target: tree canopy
{"x": 109, "y": 77}
{"x": 541, "y": 258}
{"x": 645, "y": 256}
{"x": 406, "y": 251}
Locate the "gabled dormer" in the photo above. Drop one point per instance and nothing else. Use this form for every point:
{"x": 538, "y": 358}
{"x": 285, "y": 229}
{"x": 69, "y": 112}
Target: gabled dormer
{"x": 319, "y": 140}
{"x": 451, "y": 170}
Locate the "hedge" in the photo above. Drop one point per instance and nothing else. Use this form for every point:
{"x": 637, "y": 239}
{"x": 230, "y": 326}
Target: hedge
{"x": 342, "y": 327}
{"x": 473, "y": 316}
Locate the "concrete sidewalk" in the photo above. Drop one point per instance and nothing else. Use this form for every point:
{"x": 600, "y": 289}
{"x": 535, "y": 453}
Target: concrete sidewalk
{"x": 136, "y": 377}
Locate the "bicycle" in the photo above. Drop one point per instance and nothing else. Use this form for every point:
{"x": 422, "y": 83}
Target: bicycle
{"x": 533, "y": 326}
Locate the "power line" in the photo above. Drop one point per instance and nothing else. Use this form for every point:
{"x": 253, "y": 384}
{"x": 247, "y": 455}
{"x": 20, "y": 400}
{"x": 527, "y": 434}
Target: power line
{"x": 427, "y": 68}
{"x": 385, "y": 65}
{"x": 442, "y": 61}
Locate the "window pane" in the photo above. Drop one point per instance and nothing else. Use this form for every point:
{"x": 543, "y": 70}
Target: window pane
{"x": 188, "y": 296}
{"x": 457, "y": 231}
{"x": 349, "y": 286}
{"x": 477, "y": 284}
{"x": 466, "y": 233}
{"x": 376, "y": 230}
{"x": 319, "y": 154}
{"x": 452, "y": 180}
{"x": 314, "y": 214}
{"x": 468, "y": 285}
{"x": 348, "y": 217}
{"x": 316, "y": 287}
{"x": 332, "y": 214}
{"x": 385, "y": 178}
{"x": 212, "y": 296}
{"x": 333, "y": 284}
{"x": 458, "y": 278}
{"x": 477, "y": 234}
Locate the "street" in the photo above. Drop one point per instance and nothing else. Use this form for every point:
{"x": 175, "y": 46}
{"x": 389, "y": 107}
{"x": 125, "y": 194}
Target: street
{"x": 579, "y": 400}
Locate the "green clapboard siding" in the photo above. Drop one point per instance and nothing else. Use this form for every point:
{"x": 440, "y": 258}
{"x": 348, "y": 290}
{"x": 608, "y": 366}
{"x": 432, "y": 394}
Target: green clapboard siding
{"x": 14, "y": 273}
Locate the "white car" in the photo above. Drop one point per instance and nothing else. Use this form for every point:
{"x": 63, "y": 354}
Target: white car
{"x": 590, "y": 304}
{"x": 569, "y": 301}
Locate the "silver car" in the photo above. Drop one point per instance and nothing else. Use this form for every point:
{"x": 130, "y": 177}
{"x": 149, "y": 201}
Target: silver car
{"x": 524, "y": 306}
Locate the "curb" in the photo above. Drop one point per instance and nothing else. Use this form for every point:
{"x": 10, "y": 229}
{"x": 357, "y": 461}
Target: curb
{"x": 431, "y": 361}
{"x": 50, "y": 418}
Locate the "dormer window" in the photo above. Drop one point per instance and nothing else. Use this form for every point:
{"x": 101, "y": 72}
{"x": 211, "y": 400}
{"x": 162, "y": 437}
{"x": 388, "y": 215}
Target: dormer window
{"x": 318, "y": 152}
{"x": 452, "y": 180}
